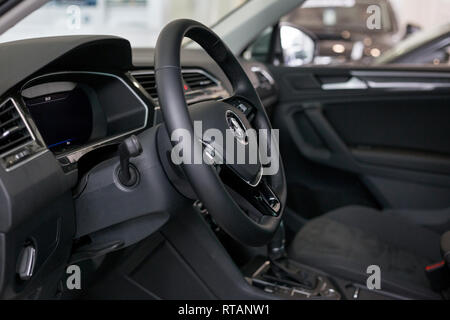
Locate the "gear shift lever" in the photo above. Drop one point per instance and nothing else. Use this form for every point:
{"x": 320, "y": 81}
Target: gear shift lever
{"x": 282, "y": 266}
{"x": 276, "y": 247}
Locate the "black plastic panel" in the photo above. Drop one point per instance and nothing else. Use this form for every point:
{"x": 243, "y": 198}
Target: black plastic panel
{"x": 420, "y": 124}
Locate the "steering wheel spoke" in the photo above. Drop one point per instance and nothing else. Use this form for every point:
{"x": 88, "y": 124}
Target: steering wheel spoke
{"x": 262, "y": 197}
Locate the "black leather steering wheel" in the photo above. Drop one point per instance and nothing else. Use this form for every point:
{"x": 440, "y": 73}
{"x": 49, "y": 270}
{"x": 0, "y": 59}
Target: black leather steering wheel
{"x": 247, "y": 205}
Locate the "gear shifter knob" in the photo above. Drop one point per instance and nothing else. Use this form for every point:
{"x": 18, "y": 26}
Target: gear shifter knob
{"x": 129, "y": 148}
{"x": 276, "y": 247}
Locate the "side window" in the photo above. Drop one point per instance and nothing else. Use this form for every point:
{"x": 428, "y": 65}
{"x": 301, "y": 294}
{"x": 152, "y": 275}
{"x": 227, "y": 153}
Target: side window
{"x": 358, "y": 32}
{"x": 260, "y": 49}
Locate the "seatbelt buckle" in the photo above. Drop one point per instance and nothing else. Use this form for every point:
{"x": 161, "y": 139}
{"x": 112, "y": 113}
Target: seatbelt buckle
{"x": 439, "y": 275}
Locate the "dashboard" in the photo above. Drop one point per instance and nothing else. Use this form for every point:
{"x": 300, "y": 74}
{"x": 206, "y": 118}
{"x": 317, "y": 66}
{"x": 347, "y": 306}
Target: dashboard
{"x": 77, "y": 112}
{"x": 80, "y": 94}
{"x": 63, "y": 112}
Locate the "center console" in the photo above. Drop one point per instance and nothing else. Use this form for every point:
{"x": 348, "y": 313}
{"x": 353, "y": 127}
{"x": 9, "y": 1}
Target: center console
{"x": 283, "y": 278}
{"x": 287, "y": 280}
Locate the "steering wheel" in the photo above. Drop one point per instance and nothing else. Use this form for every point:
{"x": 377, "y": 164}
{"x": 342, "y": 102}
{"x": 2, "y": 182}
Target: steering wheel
{"x": 245, "y": 203}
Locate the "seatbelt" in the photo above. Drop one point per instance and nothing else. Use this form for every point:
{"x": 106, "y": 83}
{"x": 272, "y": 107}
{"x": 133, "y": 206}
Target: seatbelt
{"x": 439, "y": 273}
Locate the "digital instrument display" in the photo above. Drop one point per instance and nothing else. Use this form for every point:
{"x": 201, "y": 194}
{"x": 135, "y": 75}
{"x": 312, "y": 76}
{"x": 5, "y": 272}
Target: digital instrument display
{"x": 65, "y": 119}
{"x": 75, "y": 110}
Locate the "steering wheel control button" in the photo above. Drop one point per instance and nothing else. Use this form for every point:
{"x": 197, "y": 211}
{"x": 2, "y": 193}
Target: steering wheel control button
{"x": 270, "y": 200}
{"x": 26, "y": 262}
{"x": 243, "y": 108}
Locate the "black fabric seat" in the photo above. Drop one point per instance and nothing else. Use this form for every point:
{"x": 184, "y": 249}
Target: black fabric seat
{"x": 346, "y": 241}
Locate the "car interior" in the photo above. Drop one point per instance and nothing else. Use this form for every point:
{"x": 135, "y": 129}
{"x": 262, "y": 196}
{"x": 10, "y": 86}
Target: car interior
{"x": 87, "y": 179}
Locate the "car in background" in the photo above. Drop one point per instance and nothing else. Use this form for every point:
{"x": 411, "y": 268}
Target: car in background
{"x": 330, "y": 32}
{"x": 427, "y": 47}
{"x": 342, "y": 31}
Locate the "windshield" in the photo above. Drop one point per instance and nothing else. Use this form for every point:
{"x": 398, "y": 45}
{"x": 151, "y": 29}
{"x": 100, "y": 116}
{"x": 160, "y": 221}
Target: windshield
{"x": 139, "y": 21}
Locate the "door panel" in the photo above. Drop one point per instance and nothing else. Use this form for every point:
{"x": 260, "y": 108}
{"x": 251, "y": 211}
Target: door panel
{"x": 387, "y": 129}
{"x": 417, "y": 125}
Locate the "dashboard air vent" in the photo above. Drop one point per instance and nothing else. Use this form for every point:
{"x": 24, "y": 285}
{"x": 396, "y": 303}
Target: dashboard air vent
{"x": 148, "y": 82}
{"x": 197, "y": 81}
{"x": 13, "y": 131}
{"x": 194, "y": 80}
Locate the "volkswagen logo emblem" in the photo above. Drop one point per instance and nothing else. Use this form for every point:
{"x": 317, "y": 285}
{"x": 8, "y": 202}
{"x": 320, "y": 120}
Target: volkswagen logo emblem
{"x": 237, "y": 127}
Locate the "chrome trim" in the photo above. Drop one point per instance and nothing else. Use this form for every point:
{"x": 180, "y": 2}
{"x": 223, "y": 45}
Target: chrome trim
{"x": 423, "y": 86}
{"x": 31, "y": 262}
{"x": 402, "y": 74}
{"x": 208, "y": 149}
{"x": 27, "y": 272}
{"x": 259, "y": 177}
{"x": 356, "y": 294}
{"x": 418, "y": 81}
{"x": 353, "y": 83}
{"x": 32, "y": 135}
{"x": 74, "y": 155}
{"x": 231, "y": 115}
{"x": 260, "y": 270}
{"x": 265, "y": 73}
{"x": 322, "y": 289}
{"x": 405, "y": 80}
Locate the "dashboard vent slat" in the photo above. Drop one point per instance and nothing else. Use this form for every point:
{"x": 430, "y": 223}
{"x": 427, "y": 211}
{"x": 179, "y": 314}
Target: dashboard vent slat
{"x": 6, "y": 109}
{"x": 148, "y": 82}
{"x": 13, "y": 131}
{"x": 195, "y": 80}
